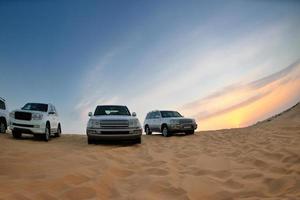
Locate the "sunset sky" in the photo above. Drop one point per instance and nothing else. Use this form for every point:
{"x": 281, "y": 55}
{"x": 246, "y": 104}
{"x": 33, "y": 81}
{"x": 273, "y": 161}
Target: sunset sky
{"x": 226, "y": 63}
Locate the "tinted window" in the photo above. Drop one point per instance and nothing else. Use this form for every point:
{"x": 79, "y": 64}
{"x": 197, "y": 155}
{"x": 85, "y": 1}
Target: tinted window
{"x": 156, "y": 114}
{"x": 166, "y": 114}
{"x": 112, "y": 110}
{"x": 151, "y": 115}
{"x": 36, "y": 106}
{"x": 51, "y": 109}
{"x": 2, "y": 105}
{"x": 148, "y": 116}
{"x": 54, "y": 109}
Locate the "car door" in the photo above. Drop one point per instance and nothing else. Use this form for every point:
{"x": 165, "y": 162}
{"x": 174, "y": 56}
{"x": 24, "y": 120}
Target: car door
{"x": 51, "y": 115}
{"x": 150, "y": 120}
{"x": 156, "y": 121}
{"x": 2, "y": 108}
{"x": 55, "y": 117}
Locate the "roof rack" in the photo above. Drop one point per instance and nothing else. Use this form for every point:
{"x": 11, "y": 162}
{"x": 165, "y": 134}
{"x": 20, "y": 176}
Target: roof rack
{"x": 2, "y": 99}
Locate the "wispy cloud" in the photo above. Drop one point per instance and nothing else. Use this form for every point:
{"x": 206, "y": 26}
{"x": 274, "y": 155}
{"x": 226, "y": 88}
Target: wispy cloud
{"x": 240, "y": 104}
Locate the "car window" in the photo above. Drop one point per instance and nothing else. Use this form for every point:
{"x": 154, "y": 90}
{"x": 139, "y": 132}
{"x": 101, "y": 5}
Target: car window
{"x": 166, "y": 114}
{"x": 151, "y": 115}
{"x": 52, "y": 109}
{"x": 112, "y": 110}
{"x": 2, "y": 105}
{"x": 148, "y": 116}
{"x": 156, "y": 115}
{"x": 36, "y": 106}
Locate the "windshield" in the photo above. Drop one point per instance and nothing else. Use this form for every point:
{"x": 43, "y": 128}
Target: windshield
{"x": 166, "y": 114}
{"x": 112, "y": 110}
{"x": 36, "y": 106}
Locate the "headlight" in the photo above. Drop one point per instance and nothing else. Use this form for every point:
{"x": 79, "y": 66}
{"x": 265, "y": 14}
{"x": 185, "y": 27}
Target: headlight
{"x": 134, "y": 123}
{"x": 93, "y": 123}
{"x": 90, "y": 123}
{"x": 12, "y": 115}
{"x": 174, "y": 121}
{"x": 37, "y": 116}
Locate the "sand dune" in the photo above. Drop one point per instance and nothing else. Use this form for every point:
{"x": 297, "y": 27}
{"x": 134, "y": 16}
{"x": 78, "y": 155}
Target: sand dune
{"x": 258, "y": 162}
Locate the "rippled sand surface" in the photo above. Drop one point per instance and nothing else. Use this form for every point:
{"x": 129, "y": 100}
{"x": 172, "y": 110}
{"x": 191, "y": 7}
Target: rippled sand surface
{"x": 258, "y": 162}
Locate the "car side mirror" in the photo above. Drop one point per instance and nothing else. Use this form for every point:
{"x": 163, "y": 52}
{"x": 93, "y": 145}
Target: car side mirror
{"x": 90, "y": 114}
{"x": 134, "y": 114}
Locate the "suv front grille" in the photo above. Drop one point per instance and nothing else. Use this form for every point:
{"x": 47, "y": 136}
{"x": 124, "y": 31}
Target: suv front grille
{"x": 185, "y": 121}
{"x": 114, "y": 124}
{"x": 23, "y": 116}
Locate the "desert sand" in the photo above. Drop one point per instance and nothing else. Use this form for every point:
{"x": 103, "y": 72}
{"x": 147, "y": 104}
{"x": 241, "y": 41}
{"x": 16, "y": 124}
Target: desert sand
{"x": 258, "y": 162}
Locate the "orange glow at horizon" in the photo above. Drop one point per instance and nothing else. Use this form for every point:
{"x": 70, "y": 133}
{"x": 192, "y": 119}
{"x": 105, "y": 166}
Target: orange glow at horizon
{"x": 253, "y": 112}
{"x": 224, "y": 111}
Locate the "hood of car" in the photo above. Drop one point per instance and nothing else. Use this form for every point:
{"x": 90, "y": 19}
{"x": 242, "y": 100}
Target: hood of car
{"x": 29, "y": 111}
{"x": 112, "y": 117}
{"x": 178, "y": 118}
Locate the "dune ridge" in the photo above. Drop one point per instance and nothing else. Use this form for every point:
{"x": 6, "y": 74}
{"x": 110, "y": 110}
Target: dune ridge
{"x": 258, "y": 162}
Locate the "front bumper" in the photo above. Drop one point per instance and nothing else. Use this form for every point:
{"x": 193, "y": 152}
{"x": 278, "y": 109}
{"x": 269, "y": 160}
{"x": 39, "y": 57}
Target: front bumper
{"x": 182, "y": 127}
{"x": 114, "y": 134}
{"x": 29, "y": 127}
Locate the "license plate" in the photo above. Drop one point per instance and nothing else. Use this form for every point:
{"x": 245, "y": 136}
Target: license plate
{"x": 185, "y": 127}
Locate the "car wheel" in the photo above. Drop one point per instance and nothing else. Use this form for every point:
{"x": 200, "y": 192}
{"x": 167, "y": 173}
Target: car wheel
{"x": 47, "y": 134}
{"x": 147, "y": 130}
{"x": 165, "y": 131}
{"x": 16, "y": 134}
{"x": 90, "y": 140}
{"x": 2, "y": 127}
{"x": 58, "y": 132}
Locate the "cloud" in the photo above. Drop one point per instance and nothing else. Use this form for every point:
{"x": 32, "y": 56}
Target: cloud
{"x": 248, "y": 101}
{"x": 205, "y": 69}
{"x": 239, "y": 100}
{"x": 282, "y": 76}
{"x": 279, "y": 75}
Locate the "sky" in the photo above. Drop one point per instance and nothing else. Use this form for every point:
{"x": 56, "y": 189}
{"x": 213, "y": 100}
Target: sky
{"x": 228, "y": 63}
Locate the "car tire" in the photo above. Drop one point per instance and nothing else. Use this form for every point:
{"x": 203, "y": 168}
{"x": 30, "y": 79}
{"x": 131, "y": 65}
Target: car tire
{"x": 58, "y": 132}
{"x": 147, "y": 130}
{"x": 165, "y": 131}
{"x": 47, "y": 134}
{"x": 90, "y": 140}
{"x": 16, "y": 134}
{"x": 2, "y": 127}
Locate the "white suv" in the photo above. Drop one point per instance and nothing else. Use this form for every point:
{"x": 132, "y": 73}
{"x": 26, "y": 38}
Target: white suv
{"x": 38, "y": 119}
{"x": 3, "y": 116}
{"x": 113, "y": 122}
{"x": 168, "y": 122}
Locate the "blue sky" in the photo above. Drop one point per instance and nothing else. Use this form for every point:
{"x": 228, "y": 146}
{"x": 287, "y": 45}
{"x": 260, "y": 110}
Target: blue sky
{"x": 145, "y": 54}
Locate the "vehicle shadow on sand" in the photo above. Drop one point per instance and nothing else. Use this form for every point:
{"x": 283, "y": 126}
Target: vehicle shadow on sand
{"x": 172, "y": 135}
{"x": 36, "y": 138}
{"x": 115, "y": 143}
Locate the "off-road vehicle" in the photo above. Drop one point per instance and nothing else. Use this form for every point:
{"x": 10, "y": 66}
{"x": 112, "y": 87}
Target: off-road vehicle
{"x": 39, "y": 119}
{"x": 3, "y": 116}
{"x": 113, "y": 122}
{"x": 168, "y": 122}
